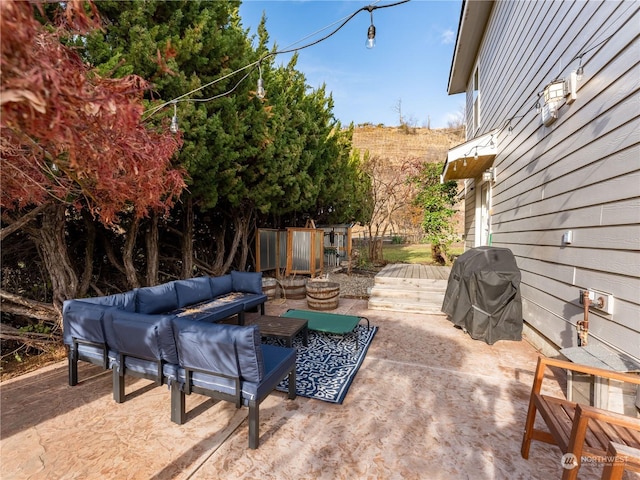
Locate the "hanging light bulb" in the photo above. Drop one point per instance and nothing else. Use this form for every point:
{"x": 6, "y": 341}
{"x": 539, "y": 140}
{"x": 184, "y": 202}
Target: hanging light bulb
{"x": 475, "y": 155}
{"x": 174, "y": 128}
{"x": 579, "y": 71}
{"x": 464, "y": 162}
{"x": 371, "y": 34}
{"x": 260, "y": 93}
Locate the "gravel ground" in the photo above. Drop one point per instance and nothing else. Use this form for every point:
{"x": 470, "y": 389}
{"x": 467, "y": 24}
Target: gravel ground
{"x": 356, "y": 285}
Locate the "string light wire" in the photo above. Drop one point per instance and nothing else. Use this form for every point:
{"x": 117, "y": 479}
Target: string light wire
{"x": 252, "y": 66}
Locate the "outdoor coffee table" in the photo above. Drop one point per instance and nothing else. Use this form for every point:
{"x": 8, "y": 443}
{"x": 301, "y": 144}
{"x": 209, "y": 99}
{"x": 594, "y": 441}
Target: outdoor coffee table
{"x": 332, "y": 323}
{"x": 279, "y": 327}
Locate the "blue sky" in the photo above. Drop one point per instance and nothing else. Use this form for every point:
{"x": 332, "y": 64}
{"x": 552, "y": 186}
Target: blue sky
{"x": 408, "y": 68}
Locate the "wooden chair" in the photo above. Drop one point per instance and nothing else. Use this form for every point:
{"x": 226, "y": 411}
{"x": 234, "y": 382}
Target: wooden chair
{"x": 581, "y": 430}
{"x": 619, "y": 459}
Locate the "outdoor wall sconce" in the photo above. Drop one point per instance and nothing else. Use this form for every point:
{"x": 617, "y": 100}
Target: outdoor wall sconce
{"x": 489, "y": 175}
{"x": 553, "y": 95}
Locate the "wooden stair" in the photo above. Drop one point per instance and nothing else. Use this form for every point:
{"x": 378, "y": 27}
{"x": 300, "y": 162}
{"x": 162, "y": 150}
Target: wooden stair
{"x": 410, "y": 288}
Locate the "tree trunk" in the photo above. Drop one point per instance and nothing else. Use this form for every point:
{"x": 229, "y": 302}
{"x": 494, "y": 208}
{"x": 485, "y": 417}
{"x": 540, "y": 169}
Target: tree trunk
{"x": 127, "y": 254}
{"x": 187, "y": 239}
{"x": 87, "y": 273}
{"x": 26, "y": 307}
{"x": 218, "y": 265}
{"x": 239, "y": 227}
{"x": 244, "y": 227}
{"x": 111, "y": 254}
{"x": 51, "y": 243}
{"x": 438, "y": 254}
{"x": 151, "y": 240}
{"x": 17, "y": 224}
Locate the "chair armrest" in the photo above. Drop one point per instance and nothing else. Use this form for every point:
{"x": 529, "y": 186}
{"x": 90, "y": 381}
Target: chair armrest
{"x": 586, "y": 411}
{"x": 600, "y": 431}
{"x": 598, "y": 372}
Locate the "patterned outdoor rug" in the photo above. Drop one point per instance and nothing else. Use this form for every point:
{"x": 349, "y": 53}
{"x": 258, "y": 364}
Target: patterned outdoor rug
{"x": 326, "y": 368}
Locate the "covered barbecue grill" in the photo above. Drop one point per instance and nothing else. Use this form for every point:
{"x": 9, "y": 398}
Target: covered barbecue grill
{"x": 483, "y": 295}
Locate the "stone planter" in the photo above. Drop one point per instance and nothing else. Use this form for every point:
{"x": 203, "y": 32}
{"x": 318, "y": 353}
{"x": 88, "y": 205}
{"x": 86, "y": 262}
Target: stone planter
{"x": 323, "y": 295}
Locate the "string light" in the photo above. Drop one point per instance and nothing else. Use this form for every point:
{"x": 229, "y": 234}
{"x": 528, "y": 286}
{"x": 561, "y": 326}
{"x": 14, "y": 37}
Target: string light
{"x": 371, "y": 32}
{"x": 174, "y": 120}
{"x": 260, "y": 92}
{"x": 580, "y": 70}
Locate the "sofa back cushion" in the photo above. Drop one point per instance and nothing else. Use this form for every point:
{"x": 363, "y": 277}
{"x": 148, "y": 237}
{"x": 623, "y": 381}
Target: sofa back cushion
{"x": 126, "y": 300}
{"x": 221, "y": 285}
{"x": 247, "y": 282}
{"x": 141, "y": 335}
{"x": 219, "y": 348}
{"x": 83, "y": 321}
{"x": 193, "y": 290}
{"x": 158, "y": 299}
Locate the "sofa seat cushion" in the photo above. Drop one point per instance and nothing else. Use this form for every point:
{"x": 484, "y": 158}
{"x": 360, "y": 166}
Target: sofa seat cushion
{"x": 147, "y": 368}
{"x": 220, "y": 285}
{"x": 278, "y": 363}
{"x": 251, "y": 300}
{"x": 193, "y": 290}
{"x": 158, "y": 299}
{"x": 95, "y": 355}
{"x": 248, "y": 282}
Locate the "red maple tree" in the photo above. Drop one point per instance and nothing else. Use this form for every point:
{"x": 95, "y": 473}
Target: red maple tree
{"x": 70, "y": 139}
{"x": 69, "y": 136}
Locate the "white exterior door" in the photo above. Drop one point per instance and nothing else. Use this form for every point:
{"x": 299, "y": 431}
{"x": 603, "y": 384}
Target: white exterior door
{"x": 483, "y": 215}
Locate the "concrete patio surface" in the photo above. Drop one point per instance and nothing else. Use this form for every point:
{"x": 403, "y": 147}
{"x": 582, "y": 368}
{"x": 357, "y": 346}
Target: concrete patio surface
{"x": 428, "y": 403}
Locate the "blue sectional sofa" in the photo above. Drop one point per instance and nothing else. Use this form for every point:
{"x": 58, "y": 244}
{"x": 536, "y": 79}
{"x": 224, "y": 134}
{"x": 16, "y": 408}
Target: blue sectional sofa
{"x": 206, "y": 299}
{"x": 168, "y": 333}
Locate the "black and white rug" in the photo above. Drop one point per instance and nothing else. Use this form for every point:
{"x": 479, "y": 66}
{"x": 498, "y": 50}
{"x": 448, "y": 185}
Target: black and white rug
{"x": 326, "y": 368}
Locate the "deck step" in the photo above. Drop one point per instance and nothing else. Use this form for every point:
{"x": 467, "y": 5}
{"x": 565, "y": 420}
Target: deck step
{"x": 409, "y": 294}
{"x": 410, "y": 289}
{"x": 433, "y": 307}
{"x": 419, "y": 283}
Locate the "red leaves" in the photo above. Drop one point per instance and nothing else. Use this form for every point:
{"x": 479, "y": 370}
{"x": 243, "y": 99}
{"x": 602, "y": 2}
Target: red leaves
{"x": 69, "y": 135}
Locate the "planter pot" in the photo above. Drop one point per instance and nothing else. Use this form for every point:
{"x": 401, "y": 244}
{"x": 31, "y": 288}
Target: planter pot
{"x": 270, "y": 288}
{"x": 323, "y": 295}
{"x": 294, "y": 288}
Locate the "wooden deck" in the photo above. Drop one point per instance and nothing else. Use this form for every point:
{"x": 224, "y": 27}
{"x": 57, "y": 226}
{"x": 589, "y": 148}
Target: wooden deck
{"x": 410, "y": 270}
{"x": 411, "y": 288}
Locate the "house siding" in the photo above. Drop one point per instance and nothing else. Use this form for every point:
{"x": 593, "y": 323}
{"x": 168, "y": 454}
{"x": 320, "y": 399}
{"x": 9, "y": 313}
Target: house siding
{"x": 581, "y": 174}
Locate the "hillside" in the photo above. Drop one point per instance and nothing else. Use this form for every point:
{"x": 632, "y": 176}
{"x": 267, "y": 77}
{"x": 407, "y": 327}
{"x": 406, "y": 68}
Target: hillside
{"x": 397, "y": 143}
{"x": 394, "y": 215}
